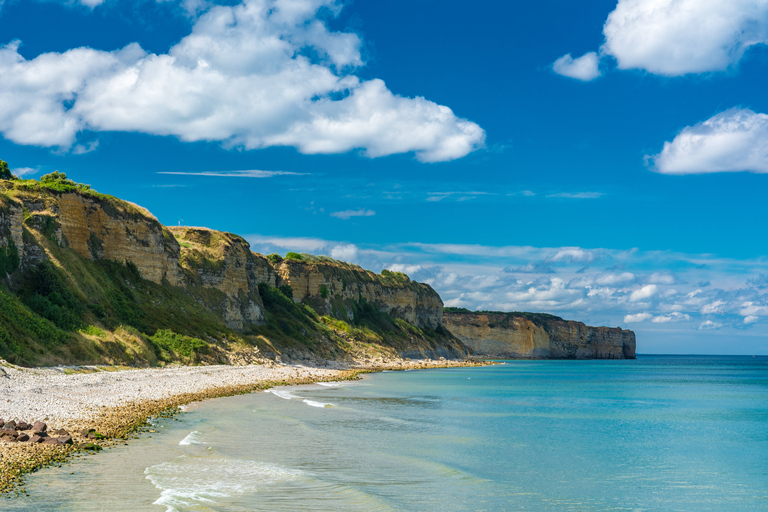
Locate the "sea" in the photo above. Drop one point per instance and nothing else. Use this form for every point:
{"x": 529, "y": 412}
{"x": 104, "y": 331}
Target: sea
{"x": 659, "y": 433}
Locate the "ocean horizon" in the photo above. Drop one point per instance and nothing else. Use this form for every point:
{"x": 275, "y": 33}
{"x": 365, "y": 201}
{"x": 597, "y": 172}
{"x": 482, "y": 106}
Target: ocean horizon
{"x": 659, "y": 433}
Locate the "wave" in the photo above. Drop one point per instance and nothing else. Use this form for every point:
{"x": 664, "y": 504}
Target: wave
{"x": 192, "y": 438}
{"x": 283, "y": 393}
{"x": 189, "y": 482}
{"x": 330, "y": 384}
{"x": 312, "y": 403}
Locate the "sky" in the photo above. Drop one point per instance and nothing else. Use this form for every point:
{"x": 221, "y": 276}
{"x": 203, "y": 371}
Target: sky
{"x": 602, "y": 161}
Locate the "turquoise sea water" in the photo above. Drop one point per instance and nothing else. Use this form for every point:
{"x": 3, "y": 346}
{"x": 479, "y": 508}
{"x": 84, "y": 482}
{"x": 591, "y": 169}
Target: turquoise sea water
{"x": 657, "y": 434}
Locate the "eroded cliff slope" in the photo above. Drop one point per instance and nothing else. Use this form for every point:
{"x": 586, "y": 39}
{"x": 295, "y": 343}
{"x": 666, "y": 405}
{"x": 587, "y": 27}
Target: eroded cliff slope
{"x": 90, "y": 278}
{"x": 537, "y": 336}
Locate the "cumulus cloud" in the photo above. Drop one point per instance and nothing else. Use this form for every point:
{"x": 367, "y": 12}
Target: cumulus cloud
{"x": 345, "y": 252}
{"x": 732, "y": 141}
{"x": 677, "y": 37}
{"x": 348, "y": 214}
{"x": 709, "y": 324}
{"x": 646, "y": 292}
{"x": 242, "y": 77}
{"x": 583, "y": 68}
{"x": 639, "y": 317}
{"x": 674, "y": 37}
{"x": 675, "y": 316}
{"x": 751, "y": 319}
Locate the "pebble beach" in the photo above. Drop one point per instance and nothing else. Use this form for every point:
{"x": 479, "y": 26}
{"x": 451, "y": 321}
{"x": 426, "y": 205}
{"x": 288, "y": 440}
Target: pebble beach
{"x": 80, "y": 402}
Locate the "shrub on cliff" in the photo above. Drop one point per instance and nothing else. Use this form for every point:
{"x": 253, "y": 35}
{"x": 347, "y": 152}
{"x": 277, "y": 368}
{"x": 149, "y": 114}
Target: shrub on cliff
{"x": 170, "y": 344}
{"x": 294, "y": 256}
{"x": 5, "y": 172}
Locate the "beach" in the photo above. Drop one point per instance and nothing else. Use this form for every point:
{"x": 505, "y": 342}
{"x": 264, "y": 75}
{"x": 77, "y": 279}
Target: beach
{"x": 113, "y": 402}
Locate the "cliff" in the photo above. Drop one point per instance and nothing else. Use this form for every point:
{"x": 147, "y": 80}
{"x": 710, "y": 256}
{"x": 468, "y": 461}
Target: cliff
{"x": 91, "y": 278}
{"x": 537, "y": 336}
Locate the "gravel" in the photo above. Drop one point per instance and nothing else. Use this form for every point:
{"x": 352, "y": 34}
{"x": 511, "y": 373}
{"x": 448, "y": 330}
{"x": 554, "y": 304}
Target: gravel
{"x": 57, "y": 395}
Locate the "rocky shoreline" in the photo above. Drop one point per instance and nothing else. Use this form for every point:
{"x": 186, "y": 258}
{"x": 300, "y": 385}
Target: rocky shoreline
{"x": 71, "y": 411}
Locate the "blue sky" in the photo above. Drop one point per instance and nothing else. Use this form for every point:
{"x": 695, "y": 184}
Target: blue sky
{"x": 601, "y": 161}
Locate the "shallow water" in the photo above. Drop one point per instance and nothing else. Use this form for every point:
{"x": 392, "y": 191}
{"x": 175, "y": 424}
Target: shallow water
{"x": 659, "y": 433}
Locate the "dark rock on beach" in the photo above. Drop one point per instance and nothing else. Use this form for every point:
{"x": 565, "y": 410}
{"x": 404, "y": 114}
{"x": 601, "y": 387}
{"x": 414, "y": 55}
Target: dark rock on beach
{"x": 39, "y": 426}
{"x": 23, "y": 437}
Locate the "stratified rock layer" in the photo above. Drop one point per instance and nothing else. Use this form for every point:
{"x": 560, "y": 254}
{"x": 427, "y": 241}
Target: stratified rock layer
{"x": 517, "y": 336}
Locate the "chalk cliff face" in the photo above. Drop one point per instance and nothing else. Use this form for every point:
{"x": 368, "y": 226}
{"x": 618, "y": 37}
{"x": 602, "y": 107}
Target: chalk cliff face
{"x": 515, "y": 336}
{"x": 99, "y": 227}
{"x": 331, "y": 288}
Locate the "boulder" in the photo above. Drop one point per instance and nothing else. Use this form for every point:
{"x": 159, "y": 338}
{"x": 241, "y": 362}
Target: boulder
{"x": 51, "y": 440}
{"x": 39, "y": 426}
{"x": 23, "y": 425}
{"x": 35, "y": 439}
{"x": 23, "y": 437}
{"x": 2, "y": 422}
{"x": 60, "y": 432}
{"x": 8, "y": 432}
{"x": 10, "y": 424}
{"x": 65, "y": 440}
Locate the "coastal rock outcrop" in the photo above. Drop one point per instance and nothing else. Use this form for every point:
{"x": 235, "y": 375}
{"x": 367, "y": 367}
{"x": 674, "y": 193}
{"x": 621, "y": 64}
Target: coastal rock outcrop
{"x": 537, "y": 336}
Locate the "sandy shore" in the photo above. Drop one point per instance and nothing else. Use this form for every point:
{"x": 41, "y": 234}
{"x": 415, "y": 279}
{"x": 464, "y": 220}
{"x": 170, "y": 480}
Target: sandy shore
{"x": 115, "y": 402}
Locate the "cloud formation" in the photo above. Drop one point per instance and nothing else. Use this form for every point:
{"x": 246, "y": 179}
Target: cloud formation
{"x": 674, "y": 37}
{"x": 732, "y": 141}
{"x": 258, "y": 74}
{"x": 677, "y": 37}
{"x": 616, "y": 288}
{"x": 583, "y": 68}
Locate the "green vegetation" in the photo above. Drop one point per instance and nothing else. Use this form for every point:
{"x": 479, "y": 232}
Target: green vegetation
{"x": 9, "y": 258}
{"x": 85, "y": 309}
{"x": 171, "y": 346}
{"x": 5, "y": 172}
{"x": 539, "y": 319}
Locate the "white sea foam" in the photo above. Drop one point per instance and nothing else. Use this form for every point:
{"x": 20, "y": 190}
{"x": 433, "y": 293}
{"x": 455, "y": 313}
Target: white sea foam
{"x": 330, "y": 384}
{"x": 283, "y": 393}
{"x": 192, "y": 438}
{"x": 188, "y": 482}
{"x": 312, "y": 403}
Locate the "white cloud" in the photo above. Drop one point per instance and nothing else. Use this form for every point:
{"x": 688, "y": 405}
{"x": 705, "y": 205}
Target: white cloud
{"x": 348, "y": 214}
{"x": 582, "y": 68}
{"x": 345, "y": 252}
{"x": 713, "y": 308}
{"x": 612, "y": 278}
{"x": 732, "y": 141}
{"x": 24, "y": 171}
{"x": 661, "y": 278}
{"x": 752, "y": 309}
{"x": 672, "y": 317}
{"x": 639, "y": 317}
{"x": 709, "y": 324}
{"x": 646, "y": 292}
{"x": 242, "y": 78}
{"x": 676, "y": 37}
{"x": 751, "y": 319}
{"x": 406, "y": 269}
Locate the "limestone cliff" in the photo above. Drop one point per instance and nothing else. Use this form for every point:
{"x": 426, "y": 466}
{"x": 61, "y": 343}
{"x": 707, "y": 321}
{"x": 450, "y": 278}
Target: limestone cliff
{"x": 532, "y": 336}
{"x": 106, "y": 251}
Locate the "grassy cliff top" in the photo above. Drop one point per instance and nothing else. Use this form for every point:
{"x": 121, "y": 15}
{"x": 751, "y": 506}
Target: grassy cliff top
{"x": 534, "y": 317}
{"x": 49, "y": 186}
